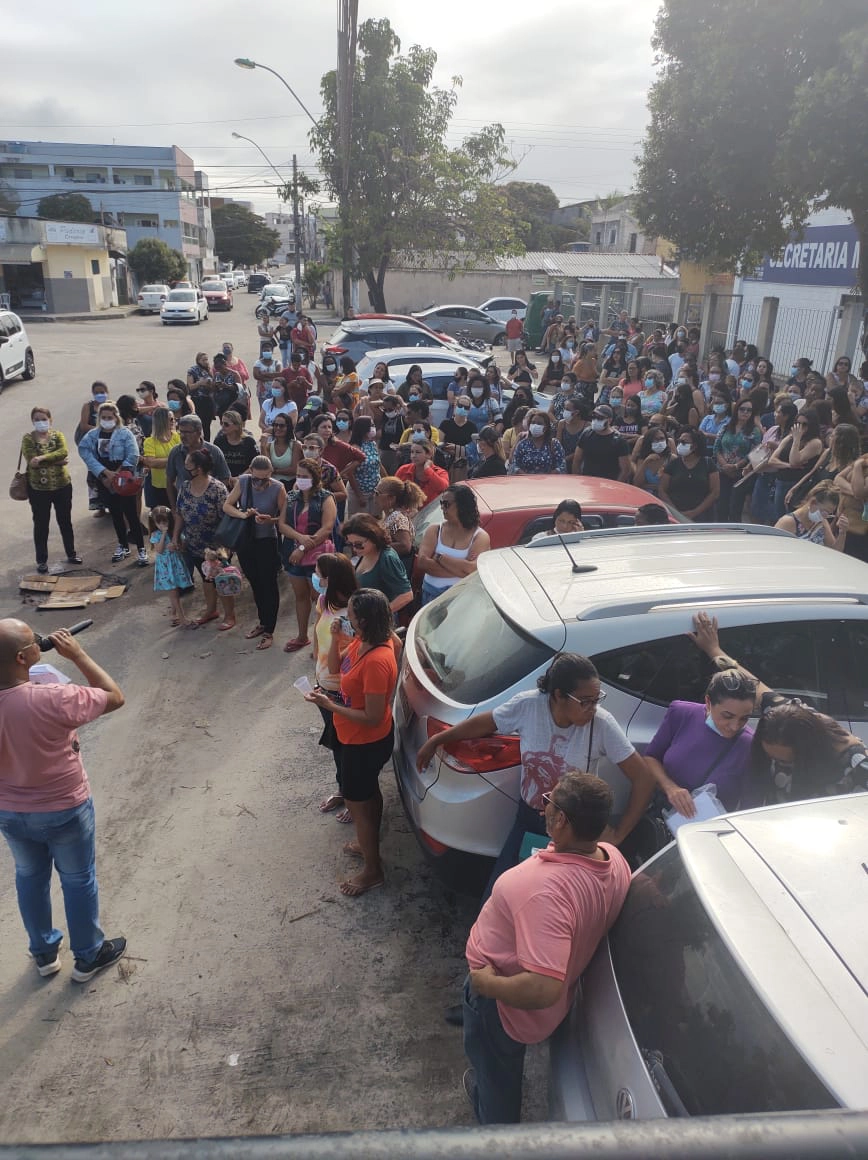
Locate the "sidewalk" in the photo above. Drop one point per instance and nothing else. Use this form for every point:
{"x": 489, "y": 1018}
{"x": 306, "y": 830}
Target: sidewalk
{"x": 31, "y": 317}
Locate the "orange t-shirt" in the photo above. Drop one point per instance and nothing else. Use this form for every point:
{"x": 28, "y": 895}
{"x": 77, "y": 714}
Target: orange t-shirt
{"x": 374, "y": 672}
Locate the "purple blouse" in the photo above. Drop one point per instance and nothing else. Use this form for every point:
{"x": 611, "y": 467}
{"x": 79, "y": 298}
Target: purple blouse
{"x": 686, "y": 748}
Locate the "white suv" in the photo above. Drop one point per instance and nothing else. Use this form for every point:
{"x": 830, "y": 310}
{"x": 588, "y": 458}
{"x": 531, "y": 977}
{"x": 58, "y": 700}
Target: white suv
{"x": 794, "y": 613}
{"x": 16, "y": 354}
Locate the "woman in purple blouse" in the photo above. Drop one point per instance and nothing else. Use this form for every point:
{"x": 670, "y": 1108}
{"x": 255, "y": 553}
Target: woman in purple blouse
{"x": 710, "y": 742}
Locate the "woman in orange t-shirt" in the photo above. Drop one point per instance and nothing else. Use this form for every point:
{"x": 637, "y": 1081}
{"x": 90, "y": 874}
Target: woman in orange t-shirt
{"x": 363, "y": 730}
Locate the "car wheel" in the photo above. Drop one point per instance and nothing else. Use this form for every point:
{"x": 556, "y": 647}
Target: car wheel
{"x": 499, "y": 339}
{"x": 2, "y": 382}
{"x": 29, "y": 366}
{"x": 164, "y": 322}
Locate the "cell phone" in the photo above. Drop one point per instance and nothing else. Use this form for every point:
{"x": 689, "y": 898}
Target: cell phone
{"x": 345, "y": 626}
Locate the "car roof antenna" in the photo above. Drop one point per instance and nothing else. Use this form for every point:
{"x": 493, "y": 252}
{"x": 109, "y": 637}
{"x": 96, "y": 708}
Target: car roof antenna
{"x": 577, "y": 568}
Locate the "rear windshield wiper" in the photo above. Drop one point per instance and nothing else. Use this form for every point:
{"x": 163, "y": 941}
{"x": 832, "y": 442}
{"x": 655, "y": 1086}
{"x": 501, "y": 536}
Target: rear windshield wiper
{"x": 665, "y": 1087}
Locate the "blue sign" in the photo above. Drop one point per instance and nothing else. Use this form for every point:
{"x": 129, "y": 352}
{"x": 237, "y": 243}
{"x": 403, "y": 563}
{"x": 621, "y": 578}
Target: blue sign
{"x": 823, "y": 256}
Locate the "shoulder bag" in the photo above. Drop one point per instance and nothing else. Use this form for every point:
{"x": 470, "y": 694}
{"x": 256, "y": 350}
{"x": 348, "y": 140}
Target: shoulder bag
{"x": 18, "y": 488}
{"x": 231, "y": 532}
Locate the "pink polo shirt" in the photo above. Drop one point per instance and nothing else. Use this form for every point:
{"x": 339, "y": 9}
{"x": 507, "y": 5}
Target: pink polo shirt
{"x": 547, "y": 915}
{"x": 40, "y": 762}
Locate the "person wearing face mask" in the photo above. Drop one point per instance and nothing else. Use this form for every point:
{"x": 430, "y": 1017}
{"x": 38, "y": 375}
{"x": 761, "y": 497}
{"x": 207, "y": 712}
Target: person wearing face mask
{"x": 200, "y": 384}
{"x": 422, "y": 470}
{"x": 629, "y": 422}
{"x": 392, "y": 429}
{"x": 813, "y": 520}
{"x": 415, "y": 389}
{"x": 457, "y": 436}
{"x": 234, "y": 363}
{"x": 718, "y": 416}
{"x": 278, "y": 403}
{"x": 264, "y": 503}
{"x": 652, "y": 397}
{"x": 190, "y": 432}
{"x": 601, "y": 451}
{"x": 554, "y": 372}
{"x": 690, "y": 482}
{"x": 338, "y": 452}
{"x": 363, "y": 435}
{"x": 740, "y": 436}
{"x": 539, "y": 453}
{"x": 484, "y": 407}
{"x": 327, "y": 376}
{"x": 654, "y": 452}
{"x": 576, "y": 417}
{"x": 308, "y": 525}
{"x": 105, "y": 450}
{"x": 312, "y": 447}
{"x": 714, "y": 380}
{"x": 87, "y": 422}
{"x": 567, "y": 392}
{"x": 177, "y": 399}
{"x": 266, "y": 370}
{"x": 49, "y": 485}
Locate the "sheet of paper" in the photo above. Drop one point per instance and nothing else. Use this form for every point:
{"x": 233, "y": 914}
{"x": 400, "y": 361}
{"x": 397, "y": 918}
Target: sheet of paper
{"x": 707, "y": 807}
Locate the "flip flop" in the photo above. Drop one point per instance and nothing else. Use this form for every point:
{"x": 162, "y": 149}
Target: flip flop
{"x": 225, "y": 626}
{"x": 295, "y": 644}
{"x": 353, "y": 849}
{"x": 208, "y": 616}
{"x": 332, "y": 802}
{"x": 344, "y": 817}
{"x": 353, "y": 890}
{"x": 254, "y": 632}
{"x": 266, "y": 642}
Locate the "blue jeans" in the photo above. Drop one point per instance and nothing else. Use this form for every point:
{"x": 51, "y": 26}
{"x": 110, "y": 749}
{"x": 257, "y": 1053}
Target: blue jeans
{"x": 762, "y": 499}
{"x": 497, "y": 1059}
{"x": 64, "y": 838}
{"x": 527, "y": 821}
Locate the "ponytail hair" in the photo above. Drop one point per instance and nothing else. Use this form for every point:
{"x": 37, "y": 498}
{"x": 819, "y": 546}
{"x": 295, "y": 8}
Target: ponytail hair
{"x": 565, "y": 672}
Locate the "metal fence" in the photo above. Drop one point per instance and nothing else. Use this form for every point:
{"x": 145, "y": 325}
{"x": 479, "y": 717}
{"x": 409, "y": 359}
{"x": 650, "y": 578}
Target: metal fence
{"x": 657, "y": 310}
{"x": 801, "y": 332}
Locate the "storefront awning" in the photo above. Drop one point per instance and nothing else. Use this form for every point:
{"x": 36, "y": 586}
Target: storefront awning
{"x": 18, "y": 254}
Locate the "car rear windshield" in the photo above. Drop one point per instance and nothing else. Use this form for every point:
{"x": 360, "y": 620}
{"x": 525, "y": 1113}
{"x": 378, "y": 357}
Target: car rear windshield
{"x": 153, "y": 289}
{"x": 468, "y": 650}
{"x": 708, "y": 1041}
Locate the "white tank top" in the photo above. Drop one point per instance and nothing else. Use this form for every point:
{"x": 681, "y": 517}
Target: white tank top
{"x": 444, "y": 582}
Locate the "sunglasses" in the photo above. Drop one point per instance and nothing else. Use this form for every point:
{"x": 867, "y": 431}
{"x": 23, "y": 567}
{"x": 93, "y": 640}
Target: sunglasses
{"x": 548, "y": 800}
{"x": 587, "y": 702}
{"x": 142, "y": 391}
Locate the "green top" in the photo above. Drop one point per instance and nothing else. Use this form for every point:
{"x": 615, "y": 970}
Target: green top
{"x": 52, "y": 473}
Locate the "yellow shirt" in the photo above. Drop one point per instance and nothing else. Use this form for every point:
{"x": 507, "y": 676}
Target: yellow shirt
{"x": 156, "y": 450}
{"x": 435, "y": 435}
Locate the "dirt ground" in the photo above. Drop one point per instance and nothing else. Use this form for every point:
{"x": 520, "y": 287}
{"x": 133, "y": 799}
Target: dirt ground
{"x": 255, "y": 999}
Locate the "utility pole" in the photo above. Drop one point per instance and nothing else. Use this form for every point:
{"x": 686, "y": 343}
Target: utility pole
{"x": 295, "y": 229}
{"x": 348, "y": 11}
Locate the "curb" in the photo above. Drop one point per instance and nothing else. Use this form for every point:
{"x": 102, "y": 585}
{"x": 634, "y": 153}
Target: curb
{"x": 102, "y": 316}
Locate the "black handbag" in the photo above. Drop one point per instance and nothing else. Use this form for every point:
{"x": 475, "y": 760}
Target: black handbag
{"x": 233, "y": 533}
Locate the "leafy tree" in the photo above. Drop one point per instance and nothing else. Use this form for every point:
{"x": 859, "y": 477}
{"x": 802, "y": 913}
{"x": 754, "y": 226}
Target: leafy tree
{"x": 66, "y": 207}
{"x": 315, "y": 274}
{"x": 532, "y": 205}
{"x": 153, "y": 260}
{"x": 408, "y": 190}
{"x": 9, "y": 199}
{"x": 242, "y": 237}
{"x": 758, "y": 116}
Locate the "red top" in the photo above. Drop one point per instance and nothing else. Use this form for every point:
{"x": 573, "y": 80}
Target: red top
{"x": 298, "y": 384}
{"x": 340, "y": 455}
{"x": 435, "y": 480}
{"x": 514, "y": 328}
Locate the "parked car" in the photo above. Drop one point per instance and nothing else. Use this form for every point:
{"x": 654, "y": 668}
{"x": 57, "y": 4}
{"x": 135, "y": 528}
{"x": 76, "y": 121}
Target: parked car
{"x": 502, "y": 308}
{"x": 218, "y": 294}
{"x": 437, "y": 365}
{"x": 184, "y": 285}
{"x": 515, "y": 508}
{"x": 800, "y": 625}
{"x": 733, "y": 981}
{"x": 416, "y": 323}
{"x": 184, "y": 306}
{"x": 255, "y": 282}
{"x": 456, "y": 320}
{"x": 357, "y": 336}
{"x": 16, "y": 353}
{"x": 151, "y": 298}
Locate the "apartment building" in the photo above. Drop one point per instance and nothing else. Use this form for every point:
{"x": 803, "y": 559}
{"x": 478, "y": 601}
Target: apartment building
{"x": 149, "y": 191}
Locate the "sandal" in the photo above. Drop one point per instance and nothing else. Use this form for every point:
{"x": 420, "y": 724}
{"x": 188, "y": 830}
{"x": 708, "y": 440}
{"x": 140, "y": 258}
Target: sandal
{"x": 208, "y": 616}
{"x": 266, "y": 642}
{"x": 344, "y": 817}
{"x": 295, "y": 644}
{"x": 332, "y": 802}
{"x": 254, "y": 632}
{"x": 226, "y": 625}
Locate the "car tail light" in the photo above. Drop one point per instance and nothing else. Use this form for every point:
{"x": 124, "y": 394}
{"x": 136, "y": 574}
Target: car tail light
{"x": 477, "y": 754}
{"x": 162, "y": 297}
{"x": 336, "y": 350}
{"x": 433, "y": 845}
{"x": 141, "y": 298}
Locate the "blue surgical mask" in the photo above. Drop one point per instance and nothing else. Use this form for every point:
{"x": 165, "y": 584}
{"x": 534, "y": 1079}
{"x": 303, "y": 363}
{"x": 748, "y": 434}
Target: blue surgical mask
{"x": 174, "y": 404}
{"x": 276, "y": 392}
{"x": 650, "y": 382}
{"x": 711, "y": 725}
{"x": 418, "y": 436}
{"x": 319, "y": 584}
{"x": 342, "y": 424}
{"x": 720, "y": 408}
{"x": 100, "y": 398}
{"x": 414, "y": 396}
{"x": 462, "y": 410}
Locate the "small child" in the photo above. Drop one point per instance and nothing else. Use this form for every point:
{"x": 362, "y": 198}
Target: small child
{"x": 170, "y": 571}
{"x": 226, "y": 578}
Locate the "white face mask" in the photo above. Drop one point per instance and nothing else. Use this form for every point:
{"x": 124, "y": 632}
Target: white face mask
{"x": 477, "y": 392}
{"x": 312, "y": 452}
{"x": 598, "y": 424}
{"x": 684, "y": 449}
{"x": 303, "y": 484}
{"x": 108, "y": 424}
{"x": 536, "y": 429}
{"x": 41, "y": 426}
{"x": 659, "y": 447}
{"x": 815, "y": 516}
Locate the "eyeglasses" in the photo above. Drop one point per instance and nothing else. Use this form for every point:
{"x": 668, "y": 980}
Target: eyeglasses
{"x": 142, "y": 391}
{"x": 548, "y": 800}
{"x": 588, "y": 702}
{"x": 357, "y": 545}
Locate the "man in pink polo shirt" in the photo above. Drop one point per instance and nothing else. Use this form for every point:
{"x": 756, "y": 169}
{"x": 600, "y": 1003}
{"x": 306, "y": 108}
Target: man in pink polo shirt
{"x": 46, "y": 811}
{"x": 533, "y": 939}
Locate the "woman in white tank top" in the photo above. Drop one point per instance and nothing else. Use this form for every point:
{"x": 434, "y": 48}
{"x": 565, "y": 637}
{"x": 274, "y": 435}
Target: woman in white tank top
{"x": 449, "y": 552}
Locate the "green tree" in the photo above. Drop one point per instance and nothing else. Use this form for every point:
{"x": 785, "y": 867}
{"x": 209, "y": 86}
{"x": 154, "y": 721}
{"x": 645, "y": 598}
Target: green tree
{"x": 758, "y": 116}
{"x": 408, "y": 190}
{"x": 9, "y": 199}
{"x": 152, "y": 260}
{"x": 315, "y": 274}
{"x": 66, "y": 207}
{"x": 532, "y": 205}
{"x": 242, "y": 237}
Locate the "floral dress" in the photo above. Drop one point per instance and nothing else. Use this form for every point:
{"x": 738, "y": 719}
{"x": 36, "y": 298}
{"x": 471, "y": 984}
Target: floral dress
{"x": 528, "y": 459}
{"x": 201, "y": 515}
{"x": 170, "y": 571}
{"x": 368, "y": 473}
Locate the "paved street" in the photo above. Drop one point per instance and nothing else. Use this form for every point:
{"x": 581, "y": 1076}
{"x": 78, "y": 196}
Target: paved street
{"x": 255, "y": 998}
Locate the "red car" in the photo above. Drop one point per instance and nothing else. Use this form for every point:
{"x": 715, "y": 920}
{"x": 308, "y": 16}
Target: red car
{"x": 218, "y": 295}
{"x": 513, "y": 508}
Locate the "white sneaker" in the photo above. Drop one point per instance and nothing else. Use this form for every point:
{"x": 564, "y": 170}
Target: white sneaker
{"x": 142, "y": 558}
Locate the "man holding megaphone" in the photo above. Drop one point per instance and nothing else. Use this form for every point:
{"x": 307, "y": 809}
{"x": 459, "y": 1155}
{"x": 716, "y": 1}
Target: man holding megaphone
{"x": 46, "y": 808}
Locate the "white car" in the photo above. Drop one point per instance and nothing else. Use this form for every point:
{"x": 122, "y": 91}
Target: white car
{"x": 184, "y": 306}
{"x": 16, "y": 355}
{"x": 151, "y": 298}
{"x": 502, "y": 308}
{"x": 624, "y": 597}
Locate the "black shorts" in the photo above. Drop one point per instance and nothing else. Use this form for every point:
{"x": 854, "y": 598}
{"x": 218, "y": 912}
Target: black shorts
{"x": 359, "y": 766}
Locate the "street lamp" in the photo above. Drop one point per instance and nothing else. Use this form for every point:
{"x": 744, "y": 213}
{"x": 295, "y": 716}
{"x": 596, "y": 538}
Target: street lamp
{"x": 241, "y": 137}
{"x": 244, "y": 62}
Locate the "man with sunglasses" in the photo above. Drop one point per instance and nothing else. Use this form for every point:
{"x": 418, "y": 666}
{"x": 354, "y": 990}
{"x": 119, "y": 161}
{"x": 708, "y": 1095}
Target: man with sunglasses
{"x": 533, "y": 939}
{"x": 46, "y": 809}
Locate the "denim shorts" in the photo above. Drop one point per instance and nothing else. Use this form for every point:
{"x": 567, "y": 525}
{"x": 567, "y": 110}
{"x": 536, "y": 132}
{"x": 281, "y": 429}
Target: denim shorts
{"x": 303, "y": 570}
